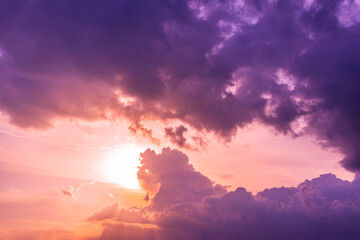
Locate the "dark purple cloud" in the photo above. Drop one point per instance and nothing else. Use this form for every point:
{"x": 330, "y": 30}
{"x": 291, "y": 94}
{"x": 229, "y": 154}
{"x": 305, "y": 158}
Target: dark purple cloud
{"x": 215, "y": 65}
{"x": 189, "y": 206}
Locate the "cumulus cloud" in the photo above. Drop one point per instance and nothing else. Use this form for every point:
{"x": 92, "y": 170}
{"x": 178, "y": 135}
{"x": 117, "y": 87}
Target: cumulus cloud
{"x": 173, "y": 179}
{"x": 215, "y": 65}
{"x": 189, "y": 206}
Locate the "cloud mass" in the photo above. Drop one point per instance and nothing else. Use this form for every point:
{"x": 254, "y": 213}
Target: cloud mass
{"x": 188, "y": 205}
{"x": 215, "y": 65}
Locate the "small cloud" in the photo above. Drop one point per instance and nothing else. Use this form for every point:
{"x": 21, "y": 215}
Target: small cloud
{"x": 138, "y": 128}
{"x": 146, "y": 198}
{"x": 69, "y": 191}
{"x": 72, "y": 191}
{"x": 177, "y": 137}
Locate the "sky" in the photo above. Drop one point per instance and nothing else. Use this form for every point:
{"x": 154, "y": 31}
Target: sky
{"x": 179, "y": 119}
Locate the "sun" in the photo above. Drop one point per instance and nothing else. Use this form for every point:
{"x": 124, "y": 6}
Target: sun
{"x": 121, "y": 166}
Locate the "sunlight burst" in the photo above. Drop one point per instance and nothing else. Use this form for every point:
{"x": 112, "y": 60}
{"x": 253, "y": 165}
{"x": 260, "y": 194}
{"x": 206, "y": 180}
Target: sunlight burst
{"x": 121, "y": 166}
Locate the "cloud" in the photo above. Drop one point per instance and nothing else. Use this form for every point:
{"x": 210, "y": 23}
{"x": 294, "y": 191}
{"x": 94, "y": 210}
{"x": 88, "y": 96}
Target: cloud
{"x": 214, "y": 65}
{"x": 69, "y": 191}
{"x": 72, "y": 191}
{"x": 189, "y": 206}
{"x": 114, "y": 212}
{"x": 106, "y": 213}
{"x": 173, "y": 179}
{"x": 177, "y": 136}
{"x": 144, "y": 132}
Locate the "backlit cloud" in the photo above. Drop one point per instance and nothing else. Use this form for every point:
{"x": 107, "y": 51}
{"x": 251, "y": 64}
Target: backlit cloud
{"x": 189, "y": 206}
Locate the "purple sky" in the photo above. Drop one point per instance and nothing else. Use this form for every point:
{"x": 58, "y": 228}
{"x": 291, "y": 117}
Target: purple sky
{"x": 239, "y": 86}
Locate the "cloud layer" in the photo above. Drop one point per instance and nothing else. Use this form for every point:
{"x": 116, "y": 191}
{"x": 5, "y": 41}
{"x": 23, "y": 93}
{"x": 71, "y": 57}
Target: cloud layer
{"x": 215, "y": 65}
{"x": 189, "y": 206}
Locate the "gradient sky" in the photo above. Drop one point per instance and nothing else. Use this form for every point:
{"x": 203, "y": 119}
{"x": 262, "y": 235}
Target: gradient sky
{"x": 189, "y": 119}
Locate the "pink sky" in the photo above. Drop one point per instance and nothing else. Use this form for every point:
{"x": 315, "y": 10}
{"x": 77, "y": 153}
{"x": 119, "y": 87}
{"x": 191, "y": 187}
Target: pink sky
{"x": 38, "y": 165}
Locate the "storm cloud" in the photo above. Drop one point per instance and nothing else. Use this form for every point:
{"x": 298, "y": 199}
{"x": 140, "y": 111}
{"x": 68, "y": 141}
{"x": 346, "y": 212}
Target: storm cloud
{"x": 214, "y": 65}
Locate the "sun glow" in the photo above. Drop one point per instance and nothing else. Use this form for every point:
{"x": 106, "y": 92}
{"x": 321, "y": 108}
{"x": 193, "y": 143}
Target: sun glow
{"x": 121, "y": 166}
